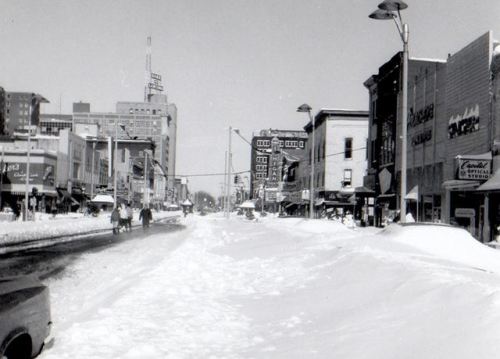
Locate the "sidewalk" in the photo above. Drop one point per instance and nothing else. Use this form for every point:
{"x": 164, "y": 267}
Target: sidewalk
{"x": 63, "y": 225}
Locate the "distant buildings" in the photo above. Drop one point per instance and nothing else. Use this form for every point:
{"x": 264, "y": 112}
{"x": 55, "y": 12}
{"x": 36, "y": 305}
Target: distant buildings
{"x": 72, "y": 156}
{"x": 272, "y": 155}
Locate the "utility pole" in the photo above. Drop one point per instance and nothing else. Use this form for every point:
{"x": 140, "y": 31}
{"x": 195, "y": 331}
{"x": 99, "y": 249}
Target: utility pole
{"x": 146, "y": 198}
{"x": 92, "y": 171}
{"x": 26, "y": 195}
{"x": 229, "y": 160}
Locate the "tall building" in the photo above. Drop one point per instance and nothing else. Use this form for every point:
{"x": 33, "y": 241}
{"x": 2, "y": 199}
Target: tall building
{"x": 17, "y": 111}
{"x": 271, "y": 149}
{"x": 144, "y": 121}
{"x": 2, "y": 111}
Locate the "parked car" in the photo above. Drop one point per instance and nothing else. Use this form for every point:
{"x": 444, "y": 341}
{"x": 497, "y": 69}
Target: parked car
{"x": 25, "y": 320}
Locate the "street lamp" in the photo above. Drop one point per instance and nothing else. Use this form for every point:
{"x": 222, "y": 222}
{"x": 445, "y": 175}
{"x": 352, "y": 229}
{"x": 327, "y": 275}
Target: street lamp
{"x": 306, "y": 108}
{"x": 391, "y": 10}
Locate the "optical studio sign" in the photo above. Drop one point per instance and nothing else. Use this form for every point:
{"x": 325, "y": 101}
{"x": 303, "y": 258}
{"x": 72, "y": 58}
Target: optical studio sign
{"x": 473, "y": 169}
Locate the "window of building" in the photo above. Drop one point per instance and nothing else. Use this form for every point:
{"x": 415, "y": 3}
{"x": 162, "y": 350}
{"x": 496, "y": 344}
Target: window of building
{"x": 261, "y": 159}
{"x": 261, "y": 167}
{"x": 301, "y": 144}
{"x": 347, "y": 177}
{"x": 348, "y": 148}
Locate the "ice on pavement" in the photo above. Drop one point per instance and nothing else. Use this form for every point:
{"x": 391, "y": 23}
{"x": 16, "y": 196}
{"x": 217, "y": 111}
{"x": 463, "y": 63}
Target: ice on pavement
{"x": 280, "y": 288}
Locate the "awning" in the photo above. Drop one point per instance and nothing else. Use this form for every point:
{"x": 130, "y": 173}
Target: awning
{"x": 65, "y": 194}
{"x": 493, "y": 184}
{"x": 319, "y": 201}
{"x": 247, "y": 205}
{"x": 386, "y": 196}
{"x": 413, "y": 194}
{"x": 362, "y": 190}
{"x": 337, "y": 203}
{"x": 460, "y": 185}
{"x": 103, "y": 198}
{"x": 482, "y": 156}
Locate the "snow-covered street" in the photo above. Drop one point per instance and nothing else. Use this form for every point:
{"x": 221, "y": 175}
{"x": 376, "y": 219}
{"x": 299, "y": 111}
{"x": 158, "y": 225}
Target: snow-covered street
{"x": 280, "y": 288}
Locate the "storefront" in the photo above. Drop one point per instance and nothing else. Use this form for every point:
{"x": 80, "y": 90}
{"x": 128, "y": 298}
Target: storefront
{"x": 41, "y": 187}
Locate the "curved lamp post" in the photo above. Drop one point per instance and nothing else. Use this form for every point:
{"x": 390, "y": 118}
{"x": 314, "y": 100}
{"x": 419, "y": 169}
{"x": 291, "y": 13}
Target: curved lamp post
{"x": 306, "y": 108}
{"x": 391, "y": 10}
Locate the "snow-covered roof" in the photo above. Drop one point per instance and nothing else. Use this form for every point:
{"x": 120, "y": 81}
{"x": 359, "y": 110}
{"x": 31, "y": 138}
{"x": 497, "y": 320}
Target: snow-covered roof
{"x": 103, "y": 198}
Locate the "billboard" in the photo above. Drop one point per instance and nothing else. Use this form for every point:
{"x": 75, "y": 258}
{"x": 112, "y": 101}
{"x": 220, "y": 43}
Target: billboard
{"x": 41, "y": 174}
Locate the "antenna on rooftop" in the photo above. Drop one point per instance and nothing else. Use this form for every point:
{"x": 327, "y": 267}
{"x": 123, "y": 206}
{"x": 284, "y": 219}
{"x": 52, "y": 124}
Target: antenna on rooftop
{"x": 147, "y": 75}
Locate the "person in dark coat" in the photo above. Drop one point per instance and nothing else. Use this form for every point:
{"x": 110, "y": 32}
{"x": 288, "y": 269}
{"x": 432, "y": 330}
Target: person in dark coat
{"x": 146, "y": 216}
{"x": 115, "y": 220}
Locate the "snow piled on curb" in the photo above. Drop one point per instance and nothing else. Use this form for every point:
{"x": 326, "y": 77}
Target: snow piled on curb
{"x": 62, "y": 225}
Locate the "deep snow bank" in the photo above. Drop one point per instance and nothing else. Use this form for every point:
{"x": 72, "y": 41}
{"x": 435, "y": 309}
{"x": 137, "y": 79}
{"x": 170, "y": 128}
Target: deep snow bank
{"x": 446, "y": 242}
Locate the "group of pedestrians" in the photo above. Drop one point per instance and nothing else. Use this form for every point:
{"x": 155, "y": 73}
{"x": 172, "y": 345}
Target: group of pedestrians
{"x": 122, "y": 217}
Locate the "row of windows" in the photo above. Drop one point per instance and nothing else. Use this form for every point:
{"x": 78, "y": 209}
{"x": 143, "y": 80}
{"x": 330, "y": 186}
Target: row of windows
{"x": 348, "y": 149}
{"x": 261, "y": 159}
{"x": 261, "y": 167}
{"x": 286, "y": 144}
{"x": 142, "y": 110}
{"x": 260, "y": 175}
{"x": 320, "y": 179}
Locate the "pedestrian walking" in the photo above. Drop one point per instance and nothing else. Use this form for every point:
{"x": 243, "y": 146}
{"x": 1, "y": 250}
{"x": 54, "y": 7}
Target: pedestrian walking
{"x": 146, "y": 216}
{"x": 130, "y": 216}
{"x": 123, "y": 218}
{"x": 115, "y": 220}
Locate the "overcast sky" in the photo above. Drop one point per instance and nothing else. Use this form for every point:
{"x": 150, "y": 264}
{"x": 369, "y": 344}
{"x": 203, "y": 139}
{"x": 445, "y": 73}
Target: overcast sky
{"x": 244, "y": 63}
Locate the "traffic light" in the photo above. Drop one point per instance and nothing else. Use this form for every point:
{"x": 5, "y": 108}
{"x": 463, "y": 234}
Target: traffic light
{"x": 236, "y": 179}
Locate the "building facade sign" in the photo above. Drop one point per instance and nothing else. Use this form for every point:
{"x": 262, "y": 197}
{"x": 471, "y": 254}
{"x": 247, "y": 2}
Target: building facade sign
{"x": 155, "y": 82}
{"x": 473, "y": 169}
{"x": 421, "y": 137}
{"x": 40, "y": 174}
{"x": 463, "y": 124}
{"x": 421, "y": 116}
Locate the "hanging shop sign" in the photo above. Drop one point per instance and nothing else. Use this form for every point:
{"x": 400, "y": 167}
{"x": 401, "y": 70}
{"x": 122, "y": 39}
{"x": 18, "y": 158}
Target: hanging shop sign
{"x": 474, "y": 169}
{"x": 465, "y": 212}
{"x": 463, "y": 124}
